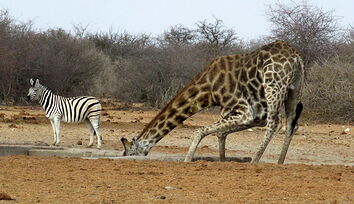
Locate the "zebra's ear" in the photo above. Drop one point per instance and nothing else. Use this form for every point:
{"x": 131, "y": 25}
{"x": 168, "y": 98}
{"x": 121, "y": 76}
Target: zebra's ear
{"x": 31, "y": 82}
{"x": 36, "y": 82}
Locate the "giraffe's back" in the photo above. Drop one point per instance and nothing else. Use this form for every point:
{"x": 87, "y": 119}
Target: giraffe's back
{"x": 237, "y": 82}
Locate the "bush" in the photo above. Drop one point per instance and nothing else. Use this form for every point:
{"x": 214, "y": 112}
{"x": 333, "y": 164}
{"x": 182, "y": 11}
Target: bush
{"x": 329, "y": 92}
{"x": 151, "y": 70}
{"x": 68, "y": 65}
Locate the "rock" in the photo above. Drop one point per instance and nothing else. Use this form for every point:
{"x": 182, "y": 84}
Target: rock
{"x": 13, "y": 126}
{"x": 346, "y": 130}
{"x": 79, "y": 142}
{"x": 170, "y": 188}
{"x": 4, "y": 196}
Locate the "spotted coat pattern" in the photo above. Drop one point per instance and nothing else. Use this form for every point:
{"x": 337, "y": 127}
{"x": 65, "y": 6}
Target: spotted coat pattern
{"x": 249, "y": 88}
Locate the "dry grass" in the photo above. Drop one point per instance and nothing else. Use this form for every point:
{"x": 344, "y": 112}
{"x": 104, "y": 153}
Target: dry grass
{"x": 328, "y": 94}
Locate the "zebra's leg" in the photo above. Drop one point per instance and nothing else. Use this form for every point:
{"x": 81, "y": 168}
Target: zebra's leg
{"x": 92, "y": 132}
{"x": 99, "y": 138}
{"x": 57, "y": 129}
{"x": 95, "y": 122}
{"x": 54, "y": 132}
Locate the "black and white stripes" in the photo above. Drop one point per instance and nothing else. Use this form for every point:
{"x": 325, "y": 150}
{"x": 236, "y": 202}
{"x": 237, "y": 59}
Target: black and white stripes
{"x": 71, "y": 110}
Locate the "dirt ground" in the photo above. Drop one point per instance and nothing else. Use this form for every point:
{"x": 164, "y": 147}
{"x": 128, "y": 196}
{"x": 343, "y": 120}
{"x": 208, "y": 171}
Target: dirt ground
{"x": 319, "y": 166}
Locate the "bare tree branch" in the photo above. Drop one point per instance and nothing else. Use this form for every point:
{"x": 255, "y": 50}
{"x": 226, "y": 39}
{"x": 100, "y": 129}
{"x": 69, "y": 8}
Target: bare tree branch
{"x": 309, "y": 28}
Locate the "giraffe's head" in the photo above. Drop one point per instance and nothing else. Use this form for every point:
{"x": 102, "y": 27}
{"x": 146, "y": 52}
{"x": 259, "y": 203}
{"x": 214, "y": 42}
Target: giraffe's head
{"x": 34, "y": 91}
{"x": 133, "y": 148}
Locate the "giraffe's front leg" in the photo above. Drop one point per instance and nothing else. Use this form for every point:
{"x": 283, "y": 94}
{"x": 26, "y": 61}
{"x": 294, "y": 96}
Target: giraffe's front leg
{"x": 199, "y": 135}
{"x": 221, "y": 140}
{"x": 224, "y": 126}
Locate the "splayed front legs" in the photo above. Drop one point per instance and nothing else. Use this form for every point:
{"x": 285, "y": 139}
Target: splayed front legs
{"x": 223, "y": 127}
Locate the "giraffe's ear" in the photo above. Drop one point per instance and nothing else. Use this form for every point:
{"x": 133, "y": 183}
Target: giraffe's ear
{"x": 127, "y": 146}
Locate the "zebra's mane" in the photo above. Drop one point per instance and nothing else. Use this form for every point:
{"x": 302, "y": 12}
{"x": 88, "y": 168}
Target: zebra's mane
{"x": 52, "y": 92}
{"x": 46, "y": 88}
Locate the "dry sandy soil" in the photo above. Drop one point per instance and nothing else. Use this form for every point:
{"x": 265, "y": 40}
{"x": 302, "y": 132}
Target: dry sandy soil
{"x": 319, "y": 166}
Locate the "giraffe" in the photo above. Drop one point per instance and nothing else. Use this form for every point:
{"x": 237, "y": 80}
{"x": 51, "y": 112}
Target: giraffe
{"x": 249, "y": 88}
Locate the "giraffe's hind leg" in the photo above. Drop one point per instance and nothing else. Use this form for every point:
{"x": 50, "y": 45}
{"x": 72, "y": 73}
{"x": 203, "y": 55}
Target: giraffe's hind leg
{"x": 293, "y": 109}
{"x": 223, "y": 127}
{"x": 275, "y": 99}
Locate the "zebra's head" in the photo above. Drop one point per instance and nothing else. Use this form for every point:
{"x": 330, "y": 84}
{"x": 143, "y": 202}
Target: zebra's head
{"x": 34, "y": 91}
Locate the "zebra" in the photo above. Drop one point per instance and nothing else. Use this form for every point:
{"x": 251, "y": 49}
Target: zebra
{"x": 71, "y": 110}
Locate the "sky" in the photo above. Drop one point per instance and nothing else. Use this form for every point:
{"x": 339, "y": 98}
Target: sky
{"x": 246, "y": 17}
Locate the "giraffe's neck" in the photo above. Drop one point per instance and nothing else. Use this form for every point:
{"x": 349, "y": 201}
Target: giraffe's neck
{"x": 186, "y": 103}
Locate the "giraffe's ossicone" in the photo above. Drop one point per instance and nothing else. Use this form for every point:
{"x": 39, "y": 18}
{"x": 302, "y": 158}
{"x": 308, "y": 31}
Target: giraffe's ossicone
{"x": 250, "y": 89}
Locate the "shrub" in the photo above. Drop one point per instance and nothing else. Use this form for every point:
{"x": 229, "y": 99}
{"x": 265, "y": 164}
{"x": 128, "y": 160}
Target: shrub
{"x": 329, "y": 92}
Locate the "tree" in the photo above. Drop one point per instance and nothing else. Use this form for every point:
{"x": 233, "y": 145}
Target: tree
{"x": 312, "y": 30}
{"x": 215, "y": 35}
{"x": 178, "y": 35}
{"x": 123, "y": 44}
